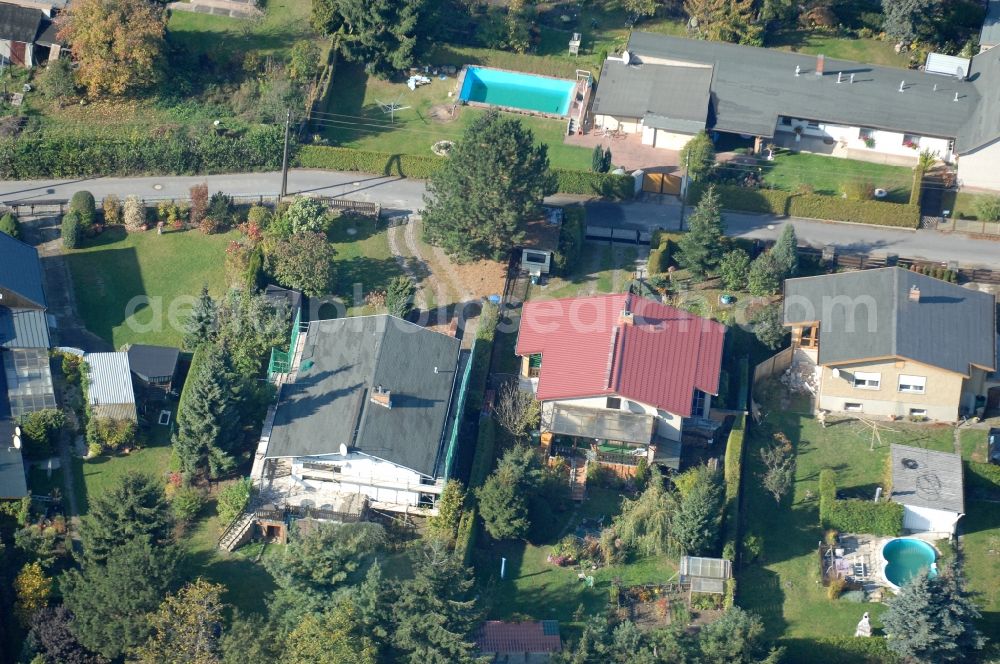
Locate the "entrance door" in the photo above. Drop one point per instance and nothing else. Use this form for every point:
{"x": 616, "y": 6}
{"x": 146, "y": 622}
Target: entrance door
{"x": 17, "y": 50}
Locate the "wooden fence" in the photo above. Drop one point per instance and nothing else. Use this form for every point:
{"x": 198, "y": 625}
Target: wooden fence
{"x": 775, "y": 364}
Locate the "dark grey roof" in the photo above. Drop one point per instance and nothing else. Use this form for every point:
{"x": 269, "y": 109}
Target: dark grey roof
{"x": 671, "y": 98}
{"x": 990, "y": 34}
{"x": 12, "y": 480}
{"x": 19, "y": 23}
{"x": 926, "y": 478}
{"x": 20, "y": 269}
{"x": 869, "y": 314}
{"x": 983, "y": 125}
{"x": 752, "y": 86}
{"x": 152, "y": 361}
{"x": 49, "y": 35}
{"x": 278, "y": 296}
{"x": 23, "y": 328}
{"x": 343, "y": 362}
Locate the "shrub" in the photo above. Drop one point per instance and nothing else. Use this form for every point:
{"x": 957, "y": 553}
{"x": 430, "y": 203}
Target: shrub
{"x": 199, "y": 203}
{"x": 110, "y": 434}
{"x": 178, "y": 151}
{"x": 858, "y": 190}
{"x": 307, "y": 215}
{"x": 10, "y": 225}
{"x": 482, "y": 462}
{"x": 259, "y": 215}
{"x": 209, "y": 226}
{"x": 71, "y": 230}
{"x": 40, "y": 431}
{"x": 864, "y": 516}
{"x": 465, "y": 540}
{"x": 234, "y": 499}
{"x": 83, "y": 203}
{"x": 186, "y": 503}
{"x": 732, "y": 471}
{"x": 112, "y": 208}
{"x": 987, "y": 208}
{"x": 734, "y": 268}
{"x": 220, "y": 209}
{"x": 571, "y": 238}
{"x": 835, "y": 588}
{"x": 134, "y": 214}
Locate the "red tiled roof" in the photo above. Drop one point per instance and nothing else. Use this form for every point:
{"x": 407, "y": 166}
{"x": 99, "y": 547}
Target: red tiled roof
{"x": 659, "y": 360}
{"x": 496, "y": 636}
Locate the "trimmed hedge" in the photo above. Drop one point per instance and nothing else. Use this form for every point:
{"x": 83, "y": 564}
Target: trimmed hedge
{"x": 465, "y": 540}
{"x": 422, "y": 167}
{"x": 840, "y": 650}
{"x": 813, "y": 206}
{"x": 179, "y": 151}
{"x": 482, "y": 350}
{"x": 732, "y": 471}
{"x": 571, "y": 238}
{"x": 856, "y": 516}
{"x": 482, "y": 462}
{"x": 71, "y": 230}
{"x": 83, "y": 203}
{"x": 607, "y": 185}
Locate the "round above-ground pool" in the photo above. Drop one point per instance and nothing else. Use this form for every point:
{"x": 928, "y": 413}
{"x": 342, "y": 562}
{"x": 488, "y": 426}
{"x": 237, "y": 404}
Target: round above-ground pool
{"x": 906, "y": 557}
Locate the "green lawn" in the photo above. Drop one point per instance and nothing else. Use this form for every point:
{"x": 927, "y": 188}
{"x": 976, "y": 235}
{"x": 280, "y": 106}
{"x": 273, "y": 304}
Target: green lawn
{"x": 594, "y": 272}
{"x": 284, "y": 22}
{"x": 355, "y": 119}
{"x": 784, "y": 586}
{"x": 980, "y": 528}
{"x": 94, "y": 476}
{"x": 961, "y": 204}
{"x": 827, "y": 175}
{"x": 973, "y": 443}
{"x": 364, "y": 262}
{"x": 535, "y": 588}
{"x": 114, "y": 268}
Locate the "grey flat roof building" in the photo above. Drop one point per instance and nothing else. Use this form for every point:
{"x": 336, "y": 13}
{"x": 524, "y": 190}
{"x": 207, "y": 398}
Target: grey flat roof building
{"x": 892, "y": 312}
{"x": 750, "y": 88}
{"x": 331, "y": 403}
{"x": 152, "y": 362}
{"x": 926, "y": 478}
{"x": 20, "y": 273}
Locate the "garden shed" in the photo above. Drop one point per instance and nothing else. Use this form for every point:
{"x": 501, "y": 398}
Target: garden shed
{"x": 109, "y": 388}
{"x": 154, "y": 368}
{"x": 929, "y": 485}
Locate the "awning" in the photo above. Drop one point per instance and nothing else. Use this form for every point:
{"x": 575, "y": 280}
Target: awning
{"x": 604, "y": 424}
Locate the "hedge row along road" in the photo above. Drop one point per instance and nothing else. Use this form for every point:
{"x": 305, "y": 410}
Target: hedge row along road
{"x": 406, "y": 196}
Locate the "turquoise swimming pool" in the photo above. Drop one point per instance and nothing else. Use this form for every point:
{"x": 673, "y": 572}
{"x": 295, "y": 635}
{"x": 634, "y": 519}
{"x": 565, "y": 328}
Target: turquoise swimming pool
{"x": 505, "y": 88}
{"x": 906, "y": 558}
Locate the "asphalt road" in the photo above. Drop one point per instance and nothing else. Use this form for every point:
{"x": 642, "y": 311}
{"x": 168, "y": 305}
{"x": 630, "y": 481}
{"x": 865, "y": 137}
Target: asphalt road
{"x": 405, "y": 196}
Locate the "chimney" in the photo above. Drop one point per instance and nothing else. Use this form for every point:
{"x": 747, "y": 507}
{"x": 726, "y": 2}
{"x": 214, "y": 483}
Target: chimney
{"x": 382, "y": 397}
{"x": 626, "y": 317}
{"x": 914, "y": 293}
{"x": 820, "y": 64}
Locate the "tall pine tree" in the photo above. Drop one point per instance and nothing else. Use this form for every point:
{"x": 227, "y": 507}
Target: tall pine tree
{"x": 133, "y": 507}
{"x": 202, "y": 324}
{"x": 785, "y": 251}
{"x": 492, "y": 183}
{"x": 701, "y": 248}
{"x": 932, "y": 620}
{"x": 207, "y": 433}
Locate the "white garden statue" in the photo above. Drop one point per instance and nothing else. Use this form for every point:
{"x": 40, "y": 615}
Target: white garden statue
{"x": 864, "y": 626}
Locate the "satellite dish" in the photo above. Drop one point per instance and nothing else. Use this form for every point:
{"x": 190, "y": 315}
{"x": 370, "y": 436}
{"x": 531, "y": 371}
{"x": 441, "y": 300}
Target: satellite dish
{"x": 836, "y": 373}
{"x": 343, "y": 449}
{"x": 17, "y": 442}
{"x": 626, "y": 57}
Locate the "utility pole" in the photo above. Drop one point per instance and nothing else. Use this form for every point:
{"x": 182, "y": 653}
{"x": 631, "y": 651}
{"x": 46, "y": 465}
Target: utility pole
{"x": 684, "y": 186}
{"x": 284, "y": 157}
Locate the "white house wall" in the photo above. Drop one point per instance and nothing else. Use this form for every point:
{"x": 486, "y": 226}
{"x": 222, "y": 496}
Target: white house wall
{"x": 926, "y": 519}
{"x": 380, "y": 480}
{"x": 671, "y": 141}
{"x": 668, "y": 425}
{"x": 886, "y": 142}
{"x": 981, "y": 168}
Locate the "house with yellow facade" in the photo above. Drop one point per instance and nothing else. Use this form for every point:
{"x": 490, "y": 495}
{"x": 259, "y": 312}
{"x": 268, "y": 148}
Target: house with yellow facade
{"x": 894, "y": 343}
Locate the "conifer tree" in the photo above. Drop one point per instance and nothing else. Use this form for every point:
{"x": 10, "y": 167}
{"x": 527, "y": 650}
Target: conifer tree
{"x": 701, "y": 248}
{"x": 492, "y": 183}
{"x": 202, "y": 324}
{"x": 785, "y": 251}
{"x": 133, "y": 507}
{"x": 207, "y": 433}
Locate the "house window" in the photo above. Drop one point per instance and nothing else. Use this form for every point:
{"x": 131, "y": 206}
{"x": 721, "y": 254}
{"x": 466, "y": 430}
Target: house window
{"x": 912, "y": 384}
{"x": 866, "y": 134}
{"x": 786, "y": 121}
{"x": 911, "y": 141}
{"x": 534, "y": 257}
{"x": 867, "y": 381}
{"x": 810, "y": 337}
{"x": 698, "y": 404}
{"x": 852, "y": 407}
{"x": 615, "y": 403}
{"x": 812, "y": 125}
{"x": 918, "y": 412}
